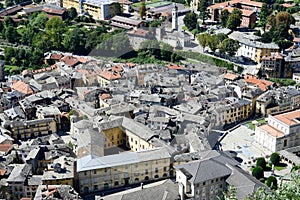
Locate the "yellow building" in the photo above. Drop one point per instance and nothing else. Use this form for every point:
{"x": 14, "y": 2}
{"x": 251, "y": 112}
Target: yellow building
{"x": 60, "y": 172}
{"x": 71, "y": 3}
{"x": 32, "y": 128}
{"x": 99, "y": 10}
{"x": 237, "y": 110}
{"x": 99, "y": 173}
{"x": 143, "y": 162}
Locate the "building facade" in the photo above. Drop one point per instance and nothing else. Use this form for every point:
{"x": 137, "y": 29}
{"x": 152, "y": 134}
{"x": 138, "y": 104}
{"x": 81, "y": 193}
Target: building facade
{"x": 281, "y": 132}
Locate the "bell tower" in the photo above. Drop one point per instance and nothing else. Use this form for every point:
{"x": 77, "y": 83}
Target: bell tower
{"x": 174, "y": 17}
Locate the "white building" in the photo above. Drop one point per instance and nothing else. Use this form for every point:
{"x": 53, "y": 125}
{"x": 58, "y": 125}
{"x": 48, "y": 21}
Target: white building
{"x": 281, "y": 132}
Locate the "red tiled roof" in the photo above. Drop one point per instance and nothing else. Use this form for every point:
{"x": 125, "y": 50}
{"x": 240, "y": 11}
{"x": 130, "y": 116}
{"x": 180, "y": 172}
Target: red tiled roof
{"x": 105, "y": 96}
{"x": 244, "y": 11}
{"x": 2, "y": 172}
{"x": 131, "y": 65}
{"x": 171, "y": 66}
{"x": 56, "y": 56}
{"x": 110, "y": 75}
{"x": 230, "y": 76}
{"x": 54, "y": 11}
{"x": 262, "y": 84}
{"x": 287, "y": 5}
{"x": 117, "y": 68}
{"x": 69, "y": 60}
{"x": 272, "y": 131}
{"x": 5, "y": 147}
{"x": 22, "y": 87}
{"x": 289, "y": 118}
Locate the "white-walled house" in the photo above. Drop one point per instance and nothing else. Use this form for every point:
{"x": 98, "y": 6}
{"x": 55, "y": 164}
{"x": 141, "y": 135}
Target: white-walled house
{"x": 281, "y": 132}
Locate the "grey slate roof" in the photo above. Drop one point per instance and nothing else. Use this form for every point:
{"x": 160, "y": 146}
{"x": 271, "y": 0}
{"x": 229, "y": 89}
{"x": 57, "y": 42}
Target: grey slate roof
{"x": 91, "y": 162}
{"x": 204, "y": 170}
{"x": 162, "y": 190}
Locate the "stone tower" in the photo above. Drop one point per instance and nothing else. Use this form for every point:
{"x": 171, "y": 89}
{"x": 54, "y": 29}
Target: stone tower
{"x": 174, "y": 17}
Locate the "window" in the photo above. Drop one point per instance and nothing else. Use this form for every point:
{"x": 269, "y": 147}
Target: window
{"x": 95, "y": 171}
{"x": 116, "y": 176}
{"x": 285, "y": 143}
{"x": 85, "y": 173}
{"x": 165, "y": 169}
{"x": 146, "y": 171}
{"x": 156, "y": 170}
{"x": 204, "y": 183}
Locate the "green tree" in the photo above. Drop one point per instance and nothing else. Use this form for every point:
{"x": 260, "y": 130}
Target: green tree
{"x": 142, "y": 10}
{"x": 202, "y": 8}
{"x": 263, "y": 16}
{"x": 116, "y": 9}
{"x": 272, "y": 182}
{"x": 11, "y": 34}
{"x": 258, "y": 172}
{"x": 166, "y": 51}
{"x": 72, "y": 13}
{"x": 55, "y": 28}
{"x": 275, "y": 159}
{"x": 9, "y": 53}
{"x": 229, "y": 46}
{"x": 9, "y": 3}
{"x": 39, "y": 21}
{"x": 234, "y": 19}
{"x": 8, "y": 21}
{"x": 74, "y": 41}
{"x": 190, "y": 20}
{"x": 215, "y": 40}
{"x": 203, "y": 39}
{"x": 283, "y": 23}
{"x": 224, "y": 17}
{"x": 261, "y": 162}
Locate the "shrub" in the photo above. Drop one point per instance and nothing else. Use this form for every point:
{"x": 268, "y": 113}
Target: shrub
{"x": 261, "y": 162}
{"x": 275, "y": 159}
{"x": 272, "y": 183}
{"x": 258, "y": 172}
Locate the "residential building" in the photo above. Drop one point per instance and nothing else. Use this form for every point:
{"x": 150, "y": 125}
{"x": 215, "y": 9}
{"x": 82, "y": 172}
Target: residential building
{"x": 202, "y": 179}
{"x": 207, "y": 174}
{"x": 21, "y": 130}
{"x": 291, "y": 63}
{"x": 272, "y": 66}
{"x": 281, "y": 131}
{"x": 60, "y": 172}
{"x": 251, "y": 48}
{"x": 237, "y": 110}
{"x": 16, "y": 180}
{"x": 126, "y": 23}
{"x": 99, "y": 173}
{"x": 58, "y": 192}
{"x": 160, "y": 190}
{"x": 278, "y": 100}
{"x": 249, "y": 10}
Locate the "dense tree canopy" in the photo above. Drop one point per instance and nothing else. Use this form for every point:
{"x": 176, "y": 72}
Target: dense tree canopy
{"x": 234, "y": 19}
{"x": 190, "y": 20}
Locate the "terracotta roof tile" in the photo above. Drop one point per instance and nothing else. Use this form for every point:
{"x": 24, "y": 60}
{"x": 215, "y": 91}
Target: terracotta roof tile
{"x": 22, "y": 87}
{"x": 272, "y": 131}
{"x": 289, "y": 118}
{"x": 110, "y": 75}
{"x": 230, "y": 76}
{"x": 5, "y": 147}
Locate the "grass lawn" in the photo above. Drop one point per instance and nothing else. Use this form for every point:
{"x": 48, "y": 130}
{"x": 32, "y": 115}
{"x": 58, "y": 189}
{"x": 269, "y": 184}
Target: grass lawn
{"x": 251, "y": 126}
{"x": 259, "y": 122}
{"x": 280, "y": 166}
{"x": 135, "y": 5}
